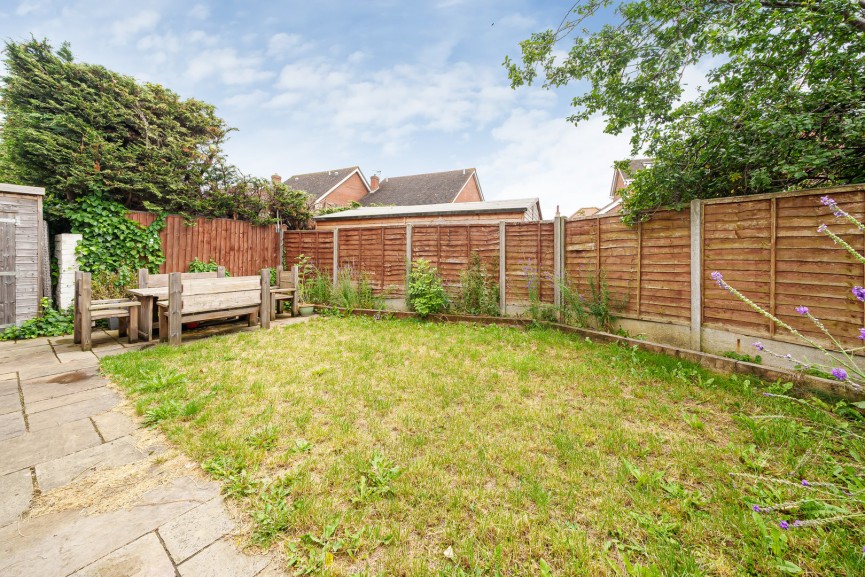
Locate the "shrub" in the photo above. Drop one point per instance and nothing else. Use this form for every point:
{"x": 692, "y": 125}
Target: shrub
{"x": 52, "y": 323}
{"x": 479, "y": 294}
{"x": 316, "y": 289}
{"x": 201, "y": 266}
{"x": 426, "y": 294}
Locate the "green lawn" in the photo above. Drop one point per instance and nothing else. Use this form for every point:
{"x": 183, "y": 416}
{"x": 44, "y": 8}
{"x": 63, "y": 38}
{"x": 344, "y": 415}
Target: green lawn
{"x": 404, "y": 448}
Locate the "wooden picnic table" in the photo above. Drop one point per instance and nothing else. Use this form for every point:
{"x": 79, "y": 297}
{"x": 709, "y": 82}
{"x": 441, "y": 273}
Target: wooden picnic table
{"x": 148, "y": 298}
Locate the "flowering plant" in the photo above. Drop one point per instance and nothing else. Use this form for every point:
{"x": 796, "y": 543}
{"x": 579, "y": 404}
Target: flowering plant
{"x": 841, "y": 362}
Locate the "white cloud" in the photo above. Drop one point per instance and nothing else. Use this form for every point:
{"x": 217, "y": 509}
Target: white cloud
{"x": 122, "y": 30}
{"x": 199, "y": 11}
{"x": 225, "y": 64}
{"x": 246, "y": 99}
{"x": 547, "y": 157}
{"x": 28, "y": 6}
{"x": 281, "y": 43}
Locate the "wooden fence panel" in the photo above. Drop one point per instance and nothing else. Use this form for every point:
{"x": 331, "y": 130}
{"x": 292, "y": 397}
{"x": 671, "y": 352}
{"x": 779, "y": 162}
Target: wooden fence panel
{"x": 529, "y": 260}
{"x": 618, "y": 262}
{"x": 317, "y": 245}
{"x": 737, "y": 242}
{"x": 811, "y": 270}
{"x": 394, "y": 262}
{"x": 242, "y": 248}
{"x": 581, "y": 253}
{"x": 665, "y": 267}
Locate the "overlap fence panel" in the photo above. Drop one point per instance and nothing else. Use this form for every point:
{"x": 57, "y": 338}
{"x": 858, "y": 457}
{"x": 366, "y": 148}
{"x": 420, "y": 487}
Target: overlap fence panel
{"x": 665, "y": 267}
{"x": 529, "y": 261}
{"x": 241, "y": 247}
{"x": 316, "y": 245}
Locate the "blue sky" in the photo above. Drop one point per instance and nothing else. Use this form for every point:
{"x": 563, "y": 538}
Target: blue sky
{"x": 396, "y": 87}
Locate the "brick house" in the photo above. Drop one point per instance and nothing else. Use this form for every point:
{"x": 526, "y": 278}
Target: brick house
{"x": 621, "y": 180}
{"x": 331, "y": 188}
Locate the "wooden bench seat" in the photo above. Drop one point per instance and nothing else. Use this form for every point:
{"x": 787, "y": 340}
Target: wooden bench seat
{"x": 88, "y": 310}
{"x": 285, "y": 290}
{"x": 198, "y": 300}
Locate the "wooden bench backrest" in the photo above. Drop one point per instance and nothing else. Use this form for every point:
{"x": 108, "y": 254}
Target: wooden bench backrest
{"x": 210, "y": 294}
{"x": 147, "y": 280}
{"x": 286, "y": 278}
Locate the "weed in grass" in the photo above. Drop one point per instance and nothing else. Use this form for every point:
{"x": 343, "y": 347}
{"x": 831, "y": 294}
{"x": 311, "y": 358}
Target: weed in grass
{"x": 693, "y": 421}
{"x": 236, "y": 480}
{"x": 315, "y": 553}
{"x": 376, "y": 479}
{"x": 273, "y": 511}
{"x": 154, "y": 381}
{"x": 161, "y": 412}
{"x": 301, "y": 446}
{"x": 263, "y": 438}
{"x": 644, "y": 479}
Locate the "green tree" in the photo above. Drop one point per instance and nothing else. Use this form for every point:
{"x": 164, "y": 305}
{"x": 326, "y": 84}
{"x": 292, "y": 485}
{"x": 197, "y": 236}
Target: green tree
{"x": 782, "y": 107}
{"x": 80, "y": 129}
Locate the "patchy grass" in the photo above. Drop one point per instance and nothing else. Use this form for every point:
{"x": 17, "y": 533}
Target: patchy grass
{"x": 403, "y": 448}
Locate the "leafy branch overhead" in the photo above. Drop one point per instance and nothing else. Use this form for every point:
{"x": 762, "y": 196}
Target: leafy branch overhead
{"x": 782, "y": 102}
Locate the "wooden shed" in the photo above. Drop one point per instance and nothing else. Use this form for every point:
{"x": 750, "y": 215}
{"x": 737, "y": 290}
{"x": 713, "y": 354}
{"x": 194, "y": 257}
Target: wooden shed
{"x": 23, "y": 253}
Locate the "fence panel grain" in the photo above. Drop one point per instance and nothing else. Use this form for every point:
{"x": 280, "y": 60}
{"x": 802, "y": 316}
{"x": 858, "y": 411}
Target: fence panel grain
{"x": 665, "y": 267}
{"x": 529, "y": 261}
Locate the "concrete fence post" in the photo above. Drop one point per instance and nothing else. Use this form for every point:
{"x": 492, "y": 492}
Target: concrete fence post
{"x": 558, "y": 261}
{"x": 335, "y": 254}
{"x": 67, "y": 263}
{"x": 696, "y": 275}
{"x": 408, "y": 235}
{"x": 503, "y": 304}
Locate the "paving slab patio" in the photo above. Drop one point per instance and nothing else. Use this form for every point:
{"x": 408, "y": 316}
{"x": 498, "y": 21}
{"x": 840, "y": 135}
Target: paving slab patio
{"x": 62, "y": 429}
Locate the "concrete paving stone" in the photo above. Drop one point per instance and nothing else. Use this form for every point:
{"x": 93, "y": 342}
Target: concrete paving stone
{"x": 71, "y": 356}
{"x": 222, "y": 559}
{"x": 144, "y": 557}
{"x": 65, "y": 542}
{"x": 29, "y": 449}
{"x": 15, "y": 496}
{"x": 59, "y": 385}
{"x": 11, "y": 425}
{"x": 188, "y": 534}
{"x": 68, "y": 399}
{"x": 55, "y": 368}
{"x": 30, "y": 360}
{"x": 64, "y": 340}
{"x": 113, "y": 425}
{"x": 10, "y": 376}
{"x": 102, "y": 353}
{"x": 9, "y": 387}
{"x": 64, "y": 470}
{"x": 10, "y": 403}
{"x": 24, "y": 343}
{"x": 274, "y": 569}
{"x": 73, "y": 412}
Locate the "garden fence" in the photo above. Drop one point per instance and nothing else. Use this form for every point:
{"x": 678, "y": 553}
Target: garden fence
{"x": 658, "y": 271}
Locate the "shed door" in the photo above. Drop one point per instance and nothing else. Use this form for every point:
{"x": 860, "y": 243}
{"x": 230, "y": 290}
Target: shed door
{"x": 7, "y": 269}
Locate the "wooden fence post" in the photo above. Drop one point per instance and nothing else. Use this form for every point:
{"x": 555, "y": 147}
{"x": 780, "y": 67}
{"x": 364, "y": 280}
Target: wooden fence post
{"x": 408, "y": 235}
{"x": 264, "y": 313}
{"x": 503, "y": 293}
{"x": 558, "y": 261}
{"x": 696, "y": 275}
{"x": 335, "y": 254}
{"x": 281, "y": 247}
{"x": 295, "y": 280}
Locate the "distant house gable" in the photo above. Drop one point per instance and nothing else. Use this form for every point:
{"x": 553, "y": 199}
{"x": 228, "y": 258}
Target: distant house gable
{"x": 431, "y": 188}
{"x": 329, "y": 184}
{"x": 621, "y": 179}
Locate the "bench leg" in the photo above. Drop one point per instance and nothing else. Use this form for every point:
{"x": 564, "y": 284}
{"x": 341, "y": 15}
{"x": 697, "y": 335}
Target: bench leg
{"x": 252, "y": 319}
{"x": 86, "y": 340}
{"x": 122, "y": 327}
{"x": 133, "y": 324}
{"x": 163, "y": 326}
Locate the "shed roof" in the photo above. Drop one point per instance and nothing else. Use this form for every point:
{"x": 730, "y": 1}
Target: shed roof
{"x": 447, "y": 208}
{"x": 417, "y": 189}
{"x": 19, "y": 189}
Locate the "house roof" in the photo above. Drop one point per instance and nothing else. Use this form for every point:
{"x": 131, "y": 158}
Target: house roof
{"x": 417, "y": 189}
{"x": 319, "y": 184}
{"x": 440, "y": 209}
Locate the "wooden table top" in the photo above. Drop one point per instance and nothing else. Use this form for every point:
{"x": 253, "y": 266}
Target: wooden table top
{"x": 158, "y": 292}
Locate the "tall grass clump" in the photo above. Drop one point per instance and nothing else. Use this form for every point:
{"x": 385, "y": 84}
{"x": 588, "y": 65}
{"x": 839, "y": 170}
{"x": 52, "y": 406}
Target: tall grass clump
{"x": 479, "y": 293}
{"x": 353, "y": 290}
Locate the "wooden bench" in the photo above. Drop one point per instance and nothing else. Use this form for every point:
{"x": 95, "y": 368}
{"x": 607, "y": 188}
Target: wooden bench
{"x": 88, "y": 310}
{"x": 213, "y": 298}
{"x": 285, "y": 290}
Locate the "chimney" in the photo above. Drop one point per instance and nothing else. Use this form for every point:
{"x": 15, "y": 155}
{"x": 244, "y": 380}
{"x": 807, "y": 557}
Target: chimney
{"x": 373, "y": 183}
{"x": 276, "y": 179}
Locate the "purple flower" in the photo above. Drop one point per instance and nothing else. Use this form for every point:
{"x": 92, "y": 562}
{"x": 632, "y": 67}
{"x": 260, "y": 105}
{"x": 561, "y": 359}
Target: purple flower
{"x": 859, "y": 293}
{"x": 788, "y": 356}
{"x": 862, "y": 334}
{"x": 802, "y": 310}
{"x": 716, "y": 276}
{"x": 784, "y": 525}
{"x": 827, "y": 201}
{"x": 839, "y": 374}
{"x": 822, "y": 228}
{"x": 759, "y": 346}
{"x": 805, "y": 483}
{"x": 756, "y": 508}
{"x": 797, "y": 523}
